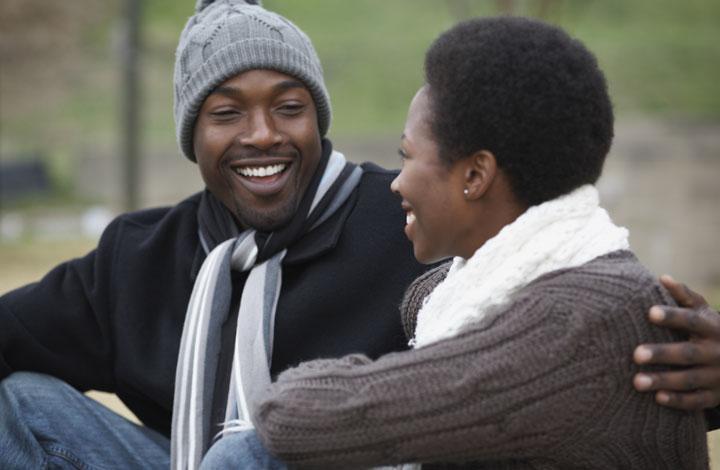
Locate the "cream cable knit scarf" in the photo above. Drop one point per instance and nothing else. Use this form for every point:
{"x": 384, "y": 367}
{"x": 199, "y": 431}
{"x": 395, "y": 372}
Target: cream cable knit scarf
{"x": 562, "y": 233}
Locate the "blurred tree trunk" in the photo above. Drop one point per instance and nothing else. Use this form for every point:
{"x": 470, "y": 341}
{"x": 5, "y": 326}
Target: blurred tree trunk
{"x": 130, "y": 153}
{"x": 506, "y": 7}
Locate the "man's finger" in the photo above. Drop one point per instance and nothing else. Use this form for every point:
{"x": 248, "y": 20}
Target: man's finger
{"x": 687, "y": 353}
{"x": 682, "y": 294}
{"x": 702, "y": 322}
{"x": 692, "y": 401}
{"x": 689, "y": 380}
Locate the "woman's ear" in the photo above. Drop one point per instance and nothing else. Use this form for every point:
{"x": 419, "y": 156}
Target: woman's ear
{"x": 479, "y": 173}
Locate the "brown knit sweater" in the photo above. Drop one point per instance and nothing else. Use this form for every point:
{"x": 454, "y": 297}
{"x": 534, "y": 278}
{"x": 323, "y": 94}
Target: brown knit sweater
{"x": 544, "y": 383}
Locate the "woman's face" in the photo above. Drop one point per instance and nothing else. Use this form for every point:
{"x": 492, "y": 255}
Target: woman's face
{"x": 432, "y": 191}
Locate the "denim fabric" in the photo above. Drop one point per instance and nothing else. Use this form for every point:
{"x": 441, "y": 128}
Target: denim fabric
{"x": 240, "y": 450}
{"x": 45, "y": 423}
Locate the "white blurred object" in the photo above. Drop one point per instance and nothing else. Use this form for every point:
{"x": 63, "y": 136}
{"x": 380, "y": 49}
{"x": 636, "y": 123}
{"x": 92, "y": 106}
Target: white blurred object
{"x": 12, "y": 226}
{"x": 94, "y": 220}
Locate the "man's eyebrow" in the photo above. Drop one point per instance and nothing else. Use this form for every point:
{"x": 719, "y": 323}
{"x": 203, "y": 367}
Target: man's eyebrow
{"x": 231, "y": 91}
{"x": 226, "y": 91}
{"x": 288, "y": 84}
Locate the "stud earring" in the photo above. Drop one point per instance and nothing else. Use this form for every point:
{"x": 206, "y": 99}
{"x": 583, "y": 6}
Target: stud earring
{"x": 466, "y": 191}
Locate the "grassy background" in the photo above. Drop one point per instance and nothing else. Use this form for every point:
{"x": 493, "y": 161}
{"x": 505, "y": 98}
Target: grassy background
{"x": 662, "y": 58}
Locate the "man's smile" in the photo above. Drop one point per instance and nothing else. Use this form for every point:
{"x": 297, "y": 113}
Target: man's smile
{"x": 260, "y": 171}
{"x": 263, "y": 177}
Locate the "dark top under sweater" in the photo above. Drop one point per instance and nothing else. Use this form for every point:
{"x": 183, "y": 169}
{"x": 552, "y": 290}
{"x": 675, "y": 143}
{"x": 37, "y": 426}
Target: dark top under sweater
{"x": 544, "y": 383}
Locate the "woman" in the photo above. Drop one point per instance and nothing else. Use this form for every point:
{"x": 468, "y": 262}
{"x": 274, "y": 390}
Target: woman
{"x": 522, "y": 352}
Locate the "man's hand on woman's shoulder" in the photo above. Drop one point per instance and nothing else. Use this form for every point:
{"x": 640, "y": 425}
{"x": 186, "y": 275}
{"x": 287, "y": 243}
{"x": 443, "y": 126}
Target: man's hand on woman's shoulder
{"x": 697, "y": 385}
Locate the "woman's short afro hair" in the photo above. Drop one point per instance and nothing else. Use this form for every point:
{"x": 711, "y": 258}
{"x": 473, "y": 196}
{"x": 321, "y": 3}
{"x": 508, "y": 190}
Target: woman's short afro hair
{"x": 527, "y": 92}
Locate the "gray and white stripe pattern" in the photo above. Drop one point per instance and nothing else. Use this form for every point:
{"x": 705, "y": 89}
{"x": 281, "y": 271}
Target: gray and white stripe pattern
{"x": 208, "y": 308}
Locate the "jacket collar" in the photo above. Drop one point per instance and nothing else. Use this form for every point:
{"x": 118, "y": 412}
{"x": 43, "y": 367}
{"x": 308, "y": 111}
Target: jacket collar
{"x": 312, "y": 245}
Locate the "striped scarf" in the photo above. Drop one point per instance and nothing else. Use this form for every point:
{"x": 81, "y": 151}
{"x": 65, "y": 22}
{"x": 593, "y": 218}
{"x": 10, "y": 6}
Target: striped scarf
{"x": 261, "y": 254}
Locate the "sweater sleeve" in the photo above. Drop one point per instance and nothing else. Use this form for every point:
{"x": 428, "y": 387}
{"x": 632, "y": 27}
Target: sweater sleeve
{"x": 60, "y": 325}
{"x": 542, "y": 375}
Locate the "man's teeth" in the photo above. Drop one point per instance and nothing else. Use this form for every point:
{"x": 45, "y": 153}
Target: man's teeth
{"x": 260, "y": 171}
{"x": 409, "y": 218}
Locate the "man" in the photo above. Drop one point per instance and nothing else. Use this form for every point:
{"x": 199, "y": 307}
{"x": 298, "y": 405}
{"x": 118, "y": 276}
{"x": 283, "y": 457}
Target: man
{"x": 298, "y": 237}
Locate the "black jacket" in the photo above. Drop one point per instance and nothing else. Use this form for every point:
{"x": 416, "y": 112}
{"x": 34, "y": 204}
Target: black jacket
{"x": 112, "y": 320}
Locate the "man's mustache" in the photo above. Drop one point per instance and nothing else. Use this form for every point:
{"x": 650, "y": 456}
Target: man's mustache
{"x": 254, "y": 153}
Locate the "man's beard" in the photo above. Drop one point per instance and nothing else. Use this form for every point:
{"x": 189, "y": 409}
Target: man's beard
{"x": 266, "y": 220}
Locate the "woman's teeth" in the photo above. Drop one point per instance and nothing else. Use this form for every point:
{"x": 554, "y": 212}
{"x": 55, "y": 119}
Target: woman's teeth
{"x": 409, "y": 218}
{"x": 260, "y": 171}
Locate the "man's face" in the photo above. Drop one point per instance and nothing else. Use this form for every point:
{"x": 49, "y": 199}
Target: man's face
{"x": 257, "y": 144}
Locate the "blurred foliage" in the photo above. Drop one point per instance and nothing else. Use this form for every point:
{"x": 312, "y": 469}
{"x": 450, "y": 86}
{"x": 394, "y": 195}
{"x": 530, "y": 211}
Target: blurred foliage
{"x": 60, "y": 78}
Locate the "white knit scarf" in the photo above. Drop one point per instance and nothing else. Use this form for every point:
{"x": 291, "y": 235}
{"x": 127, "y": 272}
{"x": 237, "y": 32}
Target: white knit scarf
{"x": 562, "y": 233}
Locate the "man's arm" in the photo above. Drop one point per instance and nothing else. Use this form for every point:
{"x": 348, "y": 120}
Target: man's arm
{"x": 60, "y": 325}
{"x": 698, "y": 386}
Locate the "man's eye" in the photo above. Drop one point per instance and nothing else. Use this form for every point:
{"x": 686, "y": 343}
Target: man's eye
{"x": 224, "y": 113}
{"x": 291, "y": 109}
{"x": 403, "y": 155}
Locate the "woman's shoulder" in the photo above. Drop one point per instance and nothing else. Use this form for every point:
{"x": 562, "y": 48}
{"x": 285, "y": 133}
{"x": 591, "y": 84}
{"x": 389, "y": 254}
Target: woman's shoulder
{"x": 605, "y": 302}
{"x": 616, "y": 279}
{"x": 610, "y": 281}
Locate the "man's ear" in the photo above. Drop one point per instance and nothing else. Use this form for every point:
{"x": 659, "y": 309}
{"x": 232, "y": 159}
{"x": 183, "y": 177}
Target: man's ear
{"x": 480, "y": 171}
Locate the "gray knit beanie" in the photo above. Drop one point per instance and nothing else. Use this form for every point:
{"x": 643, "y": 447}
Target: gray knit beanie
{"x": 227, "y": 37}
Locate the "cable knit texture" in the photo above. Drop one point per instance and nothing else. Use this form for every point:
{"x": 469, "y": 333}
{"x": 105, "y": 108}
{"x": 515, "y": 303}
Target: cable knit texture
{"x": 416, "y": 294}
{"x": 543, "y": 382}
{"x": 228, "y": 37}
{"x": 561, "y": 233}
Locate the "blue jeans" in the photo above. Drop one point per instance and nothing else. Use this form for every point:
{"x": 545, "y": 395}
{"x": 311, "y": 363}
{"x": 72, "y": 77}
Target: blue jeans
{"x": 46, "y": 423}
{"x": 240, "y": 450}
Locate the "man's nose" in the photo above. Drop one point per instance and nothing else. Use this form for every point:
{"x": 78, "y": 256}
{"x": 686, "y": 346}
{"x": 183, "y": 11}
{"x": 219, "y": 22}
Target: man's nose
{"x": 261, "y": 132}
